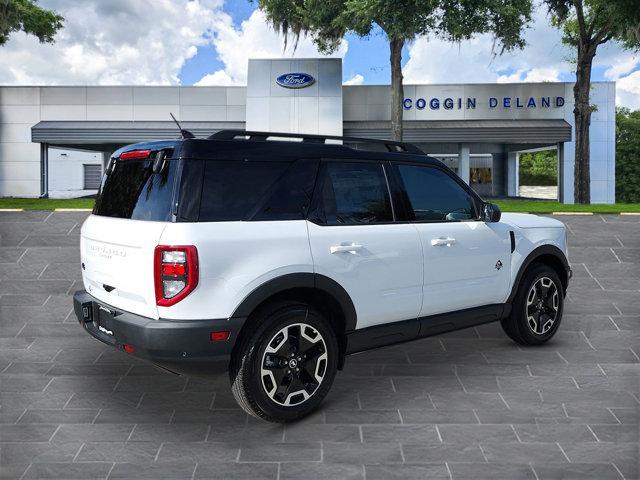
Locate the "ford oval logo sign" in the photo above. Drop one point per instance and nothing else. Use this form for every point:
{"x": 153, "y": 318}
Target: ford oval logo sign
{"x": 295, "y": 80}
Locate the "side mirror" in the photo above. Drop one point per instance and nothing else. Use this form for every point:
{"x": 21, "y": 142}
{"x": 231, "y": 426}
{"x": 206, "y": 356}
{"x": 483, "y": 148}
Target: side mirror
{"x": 491, "y": 212}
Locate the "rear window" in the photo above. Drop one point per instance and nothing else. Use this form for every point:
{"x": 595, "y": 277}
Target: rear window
{"x": 133, "y": 191}
{"x": 233, "y": 190}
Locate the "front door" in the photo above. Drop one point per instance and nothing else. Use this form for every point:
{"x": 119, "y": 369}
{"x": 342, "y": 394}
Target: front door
{"x": 466, "y": 261}
{"x": 356, "y": 242}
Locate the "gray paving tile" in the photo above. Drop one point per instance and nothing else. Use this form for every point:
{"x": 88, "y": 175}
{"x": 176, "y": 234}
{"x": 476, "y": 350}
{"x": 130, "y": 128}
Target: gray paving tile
{"x": 438, "y": 452}
{"x": 363, "y": 417}
{"x": 166, "y": 433}
{"x": 182, "y": 470}
{"x": 257, "y": 451}
{"x": 199, "y": 452}
{"x": 406, "y": 472}
{"x": 84, "y": 471}
{"x": 477, "y": 433}
{"x": 242, "y": 471}
{"x": 472, "y": 471}
{"x": 27, "y": 433}
{"x": 554, "y": 433}
{"x": 369, "y": 453}
{"x": 121, "y": 452}
{"x": 92, "y": 433}
{"x": 522, "y": 452}
{"x": 399, "y": 433}
{"x": 58, "y": 416}
{"x": 301, "y": 432}
{"x": 21, "y": 453}
{"x": 576, "y": 471}
{"x": 627, "y": 433}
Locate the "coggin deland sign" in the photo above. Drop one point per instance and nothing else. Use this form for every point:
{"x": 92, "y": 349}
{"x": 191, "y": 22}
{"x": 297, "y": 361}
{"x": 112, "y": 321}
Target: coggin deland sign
{"x": 469, "y": 103}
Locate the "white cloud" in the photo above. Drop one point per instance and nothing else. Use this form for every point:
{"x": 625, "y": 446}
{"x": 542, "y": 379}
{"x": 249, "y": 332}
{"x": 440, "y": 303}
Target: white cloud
{"x": 114, "y": 42}
{"x": 545, "y": 58}
{"x": 357, "y": 79}
{"x": 254, "y": 39}
{"x": 628, "y": 91}
{"x": 436, "y": 61}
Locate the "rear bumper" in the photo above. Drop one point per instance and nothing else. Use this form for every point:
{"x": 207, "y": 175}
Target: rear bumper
{"x": 182, "y": 346}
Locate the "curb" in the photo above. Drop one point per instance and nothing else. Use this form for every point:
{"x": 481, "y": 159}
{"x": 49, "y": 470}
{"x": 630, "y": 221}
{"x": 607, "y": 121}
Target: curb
{"x": 11, "y": 209}
{"x": 72, "y": 209}
{"x": 571, "y": 213}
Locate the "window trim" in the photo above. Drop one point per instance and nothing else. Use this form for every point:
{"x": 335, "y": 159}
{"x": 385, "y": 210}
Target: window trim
{"x": 407, "y": 209}
{"x": 316, "y": 202}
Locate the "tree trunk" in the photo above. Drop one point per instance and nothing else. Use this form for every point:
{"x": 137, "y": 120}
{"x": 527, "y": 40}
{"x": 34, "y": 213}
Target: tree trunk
{"x": 397, "y": 89}
{"x": 582, "y": 114}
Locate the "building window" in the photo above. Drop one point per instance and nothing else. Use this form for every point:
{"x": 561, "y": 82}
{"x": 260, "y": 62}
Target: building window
{"x": 92, "y": 176}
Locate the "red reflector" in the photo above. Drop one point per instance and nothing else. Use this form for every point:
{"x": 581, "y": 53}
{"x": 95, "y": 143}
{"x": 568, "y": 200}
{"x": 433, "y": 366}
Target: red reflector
{"x": 174, "y": 269}
{"x": 220, "y": 336}
{"x": 135, "y": 154}
{"x": 128, "y": 348}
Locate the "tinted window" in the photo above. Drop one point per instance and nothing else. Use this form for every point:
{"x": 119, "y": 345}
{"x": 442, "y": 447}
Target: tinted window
{"x": 355, "y": 193}
{"x": 435, "y": 196}
{"x": 231, "y": 190}
{"x": 291, "y": 195}
{"x": 132, "y": 191}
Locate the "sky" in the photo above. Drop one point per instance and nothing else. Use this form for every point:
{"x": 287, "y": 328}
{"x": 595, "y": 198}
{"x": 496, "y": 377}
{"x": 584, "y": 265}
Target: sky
{"x": 208, "y": 42}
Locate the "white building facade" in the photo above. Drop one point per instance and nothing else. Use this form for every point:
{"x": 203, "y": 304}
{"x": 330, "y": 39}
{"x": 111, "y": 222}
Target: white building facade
{"x": 55, "y": 140}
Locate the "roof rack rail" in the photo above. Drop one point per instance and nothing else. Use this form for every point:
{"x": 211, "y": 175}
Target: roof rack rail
{"x": 391, "y": 146}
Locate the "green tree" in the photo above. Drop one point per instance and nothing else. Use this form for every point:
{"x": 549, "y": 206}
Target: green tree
{"x": 587, "y": 24}
{"x": 627, "y": 156}
{"x": 28, "y": 17}
{"x": 539, "y": 168}
{"x": 327, "y": 22}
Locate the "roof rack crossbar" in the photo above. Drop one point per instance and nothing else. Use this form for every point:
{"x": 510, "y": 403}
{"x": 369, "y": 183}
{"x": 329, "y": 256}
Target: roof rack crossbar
{"x": 390, "y": 145}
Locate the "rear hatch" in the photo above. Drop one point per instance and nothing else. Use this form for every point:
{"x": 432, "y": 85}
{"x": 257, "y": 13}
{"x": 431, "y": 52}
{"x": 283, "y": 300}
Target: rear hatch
{"x": 118, "y": 240}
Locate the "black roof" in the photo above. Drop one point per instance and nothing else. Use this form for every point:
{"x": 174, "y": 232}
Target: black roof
{"x": 232, "y": 144}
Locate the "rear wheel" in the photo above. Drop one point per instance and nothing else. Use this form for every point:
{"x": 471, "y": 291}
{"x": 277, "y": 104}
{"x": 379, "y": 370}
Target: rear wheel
{"x": 537, "y": 307}
{"x": 287, "y": 363}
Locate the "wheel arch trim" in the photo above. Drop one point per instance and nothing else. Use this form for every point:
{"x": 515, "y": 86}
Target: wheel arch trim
{"x": 299, "y": 280}
{"x": 538, "y": 252}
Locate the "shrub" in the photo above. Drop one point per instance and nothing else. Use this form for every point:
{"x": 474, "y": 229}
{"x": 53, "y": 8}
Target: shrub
{"x": 539, "y": 168}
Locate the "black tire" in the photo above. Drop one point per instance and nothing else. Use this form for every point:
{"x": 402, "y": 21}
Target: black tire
{"x": 522, "y": 325}
{"x": 259, "y": 378}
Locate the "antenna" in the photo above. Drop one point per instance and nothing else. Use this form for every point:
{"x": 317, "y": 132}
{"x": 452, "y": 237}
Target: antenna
{"x": 184, "y": 133}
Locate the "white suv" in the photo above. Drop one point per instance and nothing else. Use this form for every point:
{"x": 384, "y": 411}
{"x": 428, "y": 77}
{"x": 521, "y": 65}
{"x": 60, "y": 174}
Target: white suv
{"x": 273, "y": 259}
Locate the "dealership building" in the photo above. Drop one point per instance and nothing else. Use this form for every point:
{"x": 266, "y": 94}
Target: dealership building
{"x": 56, "y": 141}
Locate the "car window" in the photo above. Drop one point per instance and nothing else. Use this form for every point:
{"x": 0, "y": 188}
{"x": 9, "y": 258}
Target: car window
{"x": 434, "y": 196}
{"x": 232, "y": 189}
{"x": 355, "y": 193}
{"x": 134, "y": 192}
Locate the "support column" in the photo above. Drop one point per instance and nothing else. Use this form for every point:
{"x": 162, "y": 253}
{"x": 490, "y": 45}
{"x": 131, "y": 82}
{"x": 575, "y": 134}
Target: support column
{"x": 44, "y": 170}
{"x": 463, "y": 161}
{"x": 561, "y": 176}
{"x": 498, "y": 174}
{"x": 513, "y": 166}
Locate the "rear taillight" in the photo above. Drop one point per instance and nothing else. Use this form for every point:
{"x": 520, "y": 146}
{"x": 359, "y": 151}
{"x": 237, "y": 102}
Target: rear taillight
{"x": 175, "y": 273}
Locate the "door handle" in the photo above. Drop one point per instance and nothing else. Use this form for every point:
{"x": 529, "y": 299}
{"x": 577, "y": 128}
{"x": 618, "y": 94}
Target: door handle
{"x": 442, "y": 242}
{"x": 353, "y": 248}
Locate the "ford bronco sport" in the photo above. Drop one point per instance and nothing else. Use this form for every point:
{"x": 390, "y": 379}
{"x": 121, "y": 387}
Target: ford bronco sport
{"x": 273, "y": 259}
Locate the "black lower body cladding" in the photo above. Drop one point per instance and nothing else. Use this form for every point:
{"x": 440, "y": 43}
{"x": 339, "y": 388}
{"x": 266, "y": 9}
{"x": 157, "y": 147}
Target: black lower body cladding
{"x": 181, "y": 346}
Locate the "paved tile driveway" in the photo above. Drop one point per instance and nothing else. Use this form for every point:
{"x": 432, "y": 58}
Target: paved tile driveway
{"x": 465, "y": 405}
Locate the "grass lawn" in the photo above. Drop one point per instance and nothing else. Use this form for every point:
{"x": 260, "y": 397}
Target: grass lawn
{"x": 543, "y": 206}
{"x": 530, "y": 206}
{"x": 46, "y": 203}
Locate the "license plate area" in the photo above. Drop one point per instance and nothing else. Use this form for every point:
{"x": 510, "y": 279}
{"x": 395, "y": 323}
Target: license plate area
{"x": 103, "y": 323}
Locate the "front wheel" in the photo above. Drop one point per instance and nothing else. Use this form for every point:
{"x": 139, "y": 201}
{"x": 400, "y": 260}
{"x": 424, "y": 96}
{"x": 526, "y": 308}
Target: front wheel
{"x": 537, "y": 307}
{"x": 287, "y": 363}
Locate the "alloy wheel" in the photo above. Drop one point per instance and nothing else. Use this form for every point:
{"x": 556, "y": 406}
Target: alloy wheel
{"x": 294, "y": 364}
{"x": 543, "y": 302}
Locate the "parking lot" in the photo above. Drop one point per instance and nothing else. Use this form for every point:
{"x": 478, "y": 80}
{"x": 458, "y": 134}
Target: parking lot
{"x": 470, "y": 404}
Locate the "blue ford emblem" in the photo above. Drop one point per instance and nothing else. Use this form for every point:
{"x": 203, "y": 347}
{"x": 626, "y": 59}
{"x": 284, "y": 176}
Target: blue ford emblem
{"x": 295, "y": 80}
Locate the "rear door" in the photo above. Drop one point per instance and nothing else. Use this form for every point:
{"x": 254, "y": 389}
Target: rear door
{"x": 466, "y": 261}
{"x": 355, "y": 241}
{"x": 118, "y": 240}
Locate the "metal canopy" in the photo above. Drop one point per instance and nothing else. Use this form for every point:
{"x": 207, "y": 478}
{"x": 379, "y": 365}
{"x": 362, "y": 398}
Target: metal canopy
{"x": 437, "y": 131}
{"x": 84, "y": 133}
{"x": 471, "y": 131}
